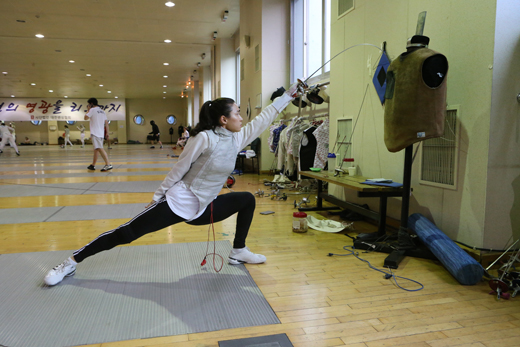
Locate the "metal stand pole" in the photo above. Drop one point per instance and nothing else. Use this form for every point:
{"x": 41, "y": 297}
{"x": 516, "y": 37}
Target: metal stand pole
{"x": 405, "y": 242}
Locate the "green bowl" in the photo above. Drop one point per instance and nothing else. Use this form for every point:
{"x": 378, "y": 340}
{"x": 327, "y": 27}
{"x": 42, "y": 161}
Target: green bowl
{"x": 315, "y": 169}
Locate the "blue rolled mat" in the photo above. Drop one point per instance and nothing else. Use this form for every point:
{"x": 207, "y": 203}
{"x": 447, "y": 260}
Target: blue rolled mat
{"x": 459, "y": 263}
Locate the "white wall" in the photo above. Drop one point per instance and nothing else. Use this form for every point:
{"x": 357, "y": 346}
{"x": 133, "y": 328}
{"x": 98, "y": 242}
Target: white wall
{"x": 227, "y": 67}
{"x": 156, "y": 110}
{"x": 502, "y": 219}
{"x": 42, "y": 133}
{"x": 267, "y": 24}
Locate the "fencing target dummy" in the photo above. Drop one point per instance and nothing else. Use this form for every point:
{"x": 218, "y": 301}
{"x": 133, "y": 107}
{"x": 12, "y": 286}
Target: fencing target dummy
{"x": 415, "y": 98}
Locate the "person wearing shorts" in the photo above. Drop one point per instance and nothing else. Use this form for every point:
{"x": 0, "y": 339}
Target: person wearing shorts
{"x": 98, "y": 124}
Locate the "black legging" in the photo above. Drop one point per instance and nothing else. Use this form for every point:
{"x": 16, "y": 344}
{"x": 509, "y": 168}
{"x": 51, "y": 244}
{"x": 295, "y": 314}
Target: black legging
{"x": 160, "y": 216}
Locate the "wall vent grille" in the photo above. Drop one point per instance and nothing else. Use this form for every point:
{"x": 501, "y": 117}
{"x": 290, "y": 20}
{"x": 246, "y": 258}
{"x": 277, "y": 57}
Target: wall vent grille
{"x": 439, "y": 156}
{"x": 344, "y": 7}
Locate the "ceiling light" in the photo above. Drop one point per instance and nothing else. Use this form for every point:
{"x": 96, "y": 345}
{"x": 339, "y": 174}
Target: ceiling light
{"x": 166, "y": 64}
{"x": 225, "y": 15}
{"x": 164, "y": 97}
{"x": 167, "y": 41}
{"x": 164, "y": 92}
{"x": 165, "y": 76}
{"x": 170, "y": 4}
{"x": 12, "y": 96}
{"x": 101, "y": 85}
{"x": 214, "y": 35}
{"x": 116, "y": 97}
{"x": 198, "y": 64}
{"x": 51, "y": 91}
{"x": 5, "y": 72}
{"x": 40, "y": 36}
{"x": 109, "y": 91}
{"x": 203, "y": 55}
{"x": 33, "y": 84}
{"x": 71, "y": 61}
{"x": 65, "y": 96}
{"x": 164, "y": 86}
{"x": 88, "y": 75}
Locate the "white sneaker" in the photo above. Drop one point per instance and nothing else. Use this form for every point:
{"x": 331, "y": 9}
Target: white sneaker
{"x": 239, "y": 256}
{"x": 58, "y": 273}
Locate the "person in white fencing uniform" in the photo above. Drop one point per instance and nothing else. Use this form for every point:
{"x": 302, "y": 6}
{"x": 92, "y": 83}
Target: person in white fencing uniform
{"x": 190, "y": 191}
{"x": 11, "y": 124}
{"x": 81, "y": 129}
{"x": 67, "y": 136}
{"x": 6, "y": 134}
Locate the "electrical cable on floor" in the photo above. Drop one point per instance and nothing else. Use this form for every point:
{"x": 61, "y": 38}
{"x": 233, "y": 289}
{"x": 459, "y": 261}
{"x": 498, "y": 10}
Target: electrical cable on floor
{"x": 215, "y": 254}
{"x": 483, "y": 249}
{"x": 351, "y": 251}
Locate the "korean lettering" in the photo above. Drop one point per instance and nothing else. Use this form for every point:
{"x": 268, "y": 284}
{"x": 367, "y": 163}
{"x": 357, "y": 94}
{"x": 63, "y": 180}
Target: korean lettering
{"x": 57, "y": 107}
{"x": 113, "y": 108}
{"x": 12, "y": 107}
{"x": 75, "y": 108}
{"x": 32, "y": 107}
{"x": 45, "y": 106}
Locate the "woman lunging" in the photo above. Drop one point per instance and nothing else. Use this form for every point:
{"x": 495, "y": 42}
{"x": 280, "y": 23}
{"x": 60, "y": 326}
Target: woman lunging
{"x": 189, "y": 193}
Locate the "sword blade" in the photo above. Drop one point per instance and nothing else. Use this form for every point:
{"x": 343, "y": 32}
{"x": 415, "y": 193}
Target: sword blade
{"x": 420, "y": 23}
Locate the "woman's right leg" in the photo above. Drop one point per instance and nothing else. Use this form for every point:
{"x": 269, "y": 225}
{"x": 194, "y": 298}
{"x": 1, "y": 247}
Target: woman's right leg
{"x": 154, "y": 218}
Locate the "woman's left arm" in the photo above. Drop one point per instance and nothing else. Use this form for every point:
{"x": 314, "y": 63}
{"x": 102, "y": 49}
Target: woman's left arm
{"x": 257, "y": 126}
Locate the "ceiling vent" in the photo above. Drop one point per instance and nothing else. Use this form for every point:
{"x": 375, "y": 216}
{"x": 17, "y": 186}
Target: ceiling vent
{"x": 344, "y": 7}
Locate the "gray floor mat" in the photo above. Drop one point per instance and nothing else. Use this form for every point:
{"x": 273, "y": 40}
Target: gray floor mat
{"x": 83, "y": 166}
{"x": 126, "y": 293}
{"x": 278, "y": 340}
{"x": 13, "y": 190}
{"x": 93, "y": 212}
{"x": 10, "y": 190}
{"x": 160, "y": 171}
{"x": 125, "y": 187}
{"x": 27, "y": 215}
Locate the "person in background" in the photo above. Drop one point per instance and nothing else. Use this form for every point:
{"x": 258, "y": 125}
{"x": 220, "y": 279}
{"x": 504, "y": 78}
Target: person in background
{"x": 81, "y": 129}
{"x": 190, "y": 191}
{"x": 155, "y": 134}
{"x": 181, "y": 142}
{"x": 98, "y": 125}
{"x": 6, "y": 135}
{"x": 67, "y": 136}
{"x": 11, "y": 124}
{"x": 107, "y": 138}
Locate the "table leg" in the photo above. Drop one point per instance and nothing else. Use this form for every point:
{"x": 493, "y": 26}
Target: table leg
{"x": 381, "y": 230}
{"x": 319, "y": 202}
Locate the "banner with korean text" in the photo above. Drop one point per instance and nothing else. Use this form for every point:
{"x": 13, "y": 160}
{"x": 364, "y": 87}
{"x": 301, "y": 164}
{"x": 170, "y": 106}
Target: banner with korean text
{"x": 45, "y": 109}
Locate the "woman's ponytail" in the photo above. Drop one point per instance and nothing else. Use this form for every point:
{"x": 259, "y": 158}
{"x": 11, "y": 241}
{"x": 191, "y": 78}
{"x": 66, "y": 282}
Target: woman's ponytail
{"x": 210, "y": 114}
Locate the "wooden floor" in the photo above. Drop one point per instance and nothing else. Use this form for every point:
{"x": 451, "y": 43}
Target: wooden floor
{"x": 320, "y": 300}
